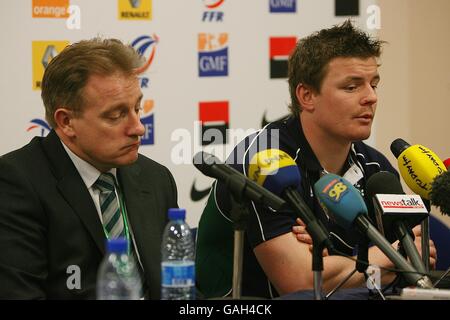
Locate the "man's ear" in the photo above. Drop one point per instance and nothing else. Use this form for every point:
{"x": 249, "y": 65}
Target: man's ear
{"x": 305, "y": 95}
{"x": 64, "y": 121}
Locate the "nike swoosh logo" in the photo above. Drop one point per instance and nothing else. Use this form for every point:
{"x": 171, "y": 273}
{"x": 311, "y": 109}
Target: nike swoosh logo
{"x": 265, "y": 122}
{"x": 197, "y": 195}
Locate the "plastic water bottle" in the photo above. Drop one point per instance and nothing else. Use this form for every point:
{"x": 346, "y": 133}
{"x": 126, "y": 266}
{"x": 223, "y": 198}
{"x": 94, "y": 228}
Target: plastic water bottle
{"x": 118, "y": 277}
{"x": 177, "y": 261}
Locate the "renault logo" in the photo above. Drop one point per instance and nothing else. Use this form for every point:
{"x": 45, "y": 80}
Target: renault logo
{"x": 49, "y": 54}
{"x": 135, "y": 3}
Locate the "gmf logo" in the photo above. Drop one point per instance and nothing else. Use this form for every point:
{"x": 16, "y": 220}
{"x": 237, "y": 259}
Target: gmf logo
{"x": 212, "y": 54}
{"x": 43, "y": 52}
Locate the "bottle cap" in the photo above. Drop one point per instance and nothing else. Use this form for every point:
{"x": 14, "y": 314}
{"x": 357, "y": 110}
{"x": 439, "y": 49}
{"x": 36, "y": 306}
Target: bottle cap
{"x": 177, "y": 214}
{"x": 117, "y": 245}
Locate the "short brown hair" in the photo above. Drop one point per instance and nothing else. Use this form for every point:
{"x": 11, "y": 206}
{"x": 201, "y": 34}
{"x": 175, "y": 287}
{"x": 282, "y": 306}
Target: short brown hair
{"x": 308, "y": 62}
{"x": 67, "y": 74}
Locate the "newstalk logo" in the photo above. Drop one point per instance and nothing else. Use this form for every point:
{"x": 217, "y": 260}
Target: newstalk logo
{"x": 401, "y": 203}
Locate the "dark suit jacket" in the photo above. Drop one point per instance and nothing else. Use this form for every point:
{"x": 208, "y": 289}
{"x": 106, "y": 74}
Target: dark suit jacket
{"x": 48, "y": 221}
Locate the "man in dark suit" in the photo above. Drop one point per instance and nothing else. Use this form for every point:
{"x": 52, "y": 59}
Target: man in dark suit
{"x": 52, "y": 218}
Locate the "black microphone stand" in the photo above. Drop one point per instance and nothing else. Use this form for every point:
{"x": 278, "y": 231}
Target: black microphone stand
{"x": 317, "y": 268}
{"x": 425, "y": 240}
{"x": 239, "y": 216}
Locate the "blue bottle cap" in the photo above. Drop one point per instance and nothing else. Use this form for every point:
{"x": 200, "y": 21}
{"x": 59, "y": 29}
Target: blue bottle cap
{"x": 177, "y": 214}
{"x": 117, "y": 245}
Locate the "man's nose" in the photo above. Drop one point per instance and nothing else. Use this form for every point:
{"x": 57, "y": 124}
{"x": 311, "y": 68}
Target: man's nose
{"x": 136, "y": 128}
{"x": 370, "y": 96}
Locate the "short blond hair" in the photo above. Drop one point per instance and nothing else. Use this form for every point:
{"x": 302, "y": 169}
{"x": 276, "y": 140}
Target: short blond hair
{"x": 67, "y": 74}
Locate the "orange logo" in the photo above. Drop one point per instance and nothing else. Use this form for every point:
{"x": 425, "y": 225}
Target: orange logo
{"x": 50, "y": 8}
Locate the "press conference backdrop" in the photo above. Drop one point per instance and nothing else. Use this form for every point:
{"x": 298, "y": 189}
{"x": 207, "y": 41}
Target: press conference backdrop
{"x": 215, "y": 64}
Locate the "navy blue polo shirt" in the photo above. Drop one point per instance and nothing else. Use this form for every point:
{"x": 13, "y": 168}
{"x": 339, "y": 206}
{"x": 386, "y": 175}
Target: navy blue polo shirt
{"x": 263, "y": 224}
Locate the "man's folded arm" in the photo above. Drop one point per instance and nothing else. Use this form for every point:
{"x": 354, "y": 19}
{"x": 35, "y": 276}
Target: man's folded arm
{"x": 288, "y": 265}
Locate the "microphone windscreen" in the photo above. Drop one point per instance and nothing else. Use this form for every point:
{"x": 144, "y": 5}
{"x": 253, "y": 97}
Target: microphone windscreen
{"x": 340, "y": 199}
{"x": 383, "y": 182}
{"x": 440, "y": 193}
{"x": 418, "y": 166}
{"x": 386, "y": 183}
{"x": 398, "y": 146}
{"x": 275, "y": 170}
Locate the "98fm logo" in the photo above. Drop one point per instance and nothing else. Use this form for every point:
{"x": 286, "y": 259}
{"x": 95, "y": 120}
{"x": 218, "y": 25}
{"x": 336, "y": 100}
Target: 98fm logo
{"x": 335, "y": 190}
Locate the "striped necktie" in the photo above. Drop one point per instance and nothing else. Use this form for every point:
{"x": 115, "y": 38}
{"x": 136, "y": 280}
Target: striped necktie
{"x": 111, "y": 216}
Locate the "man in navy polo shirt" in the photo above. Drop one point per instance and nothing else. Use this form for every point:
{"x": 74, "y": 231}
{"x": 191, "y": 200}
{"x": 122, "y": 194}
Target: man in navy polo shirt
{"x": 333, "y": 77}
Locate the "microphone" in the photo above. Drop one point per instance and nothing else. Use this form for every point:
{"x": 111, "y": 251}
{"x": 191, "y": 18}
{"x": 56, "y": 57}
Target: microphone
{"x": 440, "y": 192}
{"x": 345, "y": 205}
{"x": 241, "y": 187}
{"x": 418, "y": 166}
{"x": 397, "y": 213}
{"x": 235, "y": 181}
{"x": 276, "y": 171}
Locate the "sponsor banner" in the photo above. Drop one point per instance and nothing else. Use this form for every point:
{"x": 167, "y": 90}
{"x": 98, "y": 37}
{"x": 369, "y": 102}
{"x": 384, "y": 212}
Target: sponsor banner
{"x": 148, "y": 120}
{"x": 38, "y": 127}
{"x": 346, "y": 8}
{"x": 134, "y": 9}
{"x": 212, "y": 55}
{"x": 211, "y": 13}
{"x": 50, "y": 8}
{"x": 198, "y": 194}
{"x": 42, "y": 53}
{"x": 213, "y": 4}
{"x": 146, "y": 46}
{"x": 214, "y": 119}
{"x": 280, "y": 49}
{"x": 283, "y": 6}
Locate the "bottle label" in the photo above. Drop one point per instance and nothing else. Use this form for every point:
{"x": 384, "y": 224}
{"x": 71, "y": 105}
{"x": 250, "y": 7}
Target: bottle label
{"x": 178, "y": 274}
